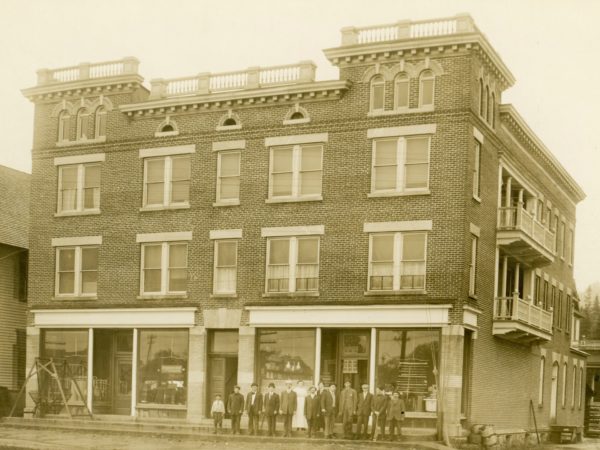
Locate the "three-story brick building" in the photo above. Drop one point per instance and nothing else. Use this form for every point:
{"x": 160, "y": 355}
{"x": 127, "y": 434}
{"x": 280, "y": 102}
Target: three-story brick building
{"x": 398, "y": 226}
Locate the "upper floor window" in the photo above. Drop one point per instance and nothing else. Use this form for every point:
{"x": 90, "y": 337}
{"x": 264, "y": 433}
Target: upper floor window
{"x": 293, "y": 264}
{"x": 167, "y": 181}
{"x": 400, "y": 164}
{"x": 493, "y": 111}
{"x": 100, "y": 125}
{"x": 297, "y": 115}
{"x": 564, "y": 386}
{"x": 569, "y": 242}
{"x": 78, "y": 188}
{"x": 477, "y": 169}
{"x": 486, "y": 114}
{"x": 573, "y": 385}
{"x": 561, "y": 239}
{"x": 225, "y": 270}
{"x": 76, "y": 271}
{"x": 481, "y": 97}
{"x": 83, "y": 124}
{"x": 164, "y": 268}
{"x": 473, "y": 265}
{"x": 401, "y": 91}
{"x": 541, "y": 381}
{"x": 397, "y": 261}
{"x": 64, "y": 126}
{"x": 296, "y": 172}
{"x": 228, "y": 177}
{"x": 426, "y": 88}
{"x": 377, "y": 93}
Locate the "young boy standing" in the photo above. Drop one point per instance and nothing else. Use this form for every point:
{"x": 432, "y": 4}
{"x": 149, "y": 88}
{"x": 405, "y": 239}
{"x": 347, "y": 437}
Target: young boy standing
{"x": 217, "y": 410}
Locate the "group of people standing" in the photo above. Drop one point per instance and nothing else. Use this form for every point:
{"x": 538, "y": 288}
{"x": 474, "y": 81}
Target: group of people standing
{"x": 314, "y": 409}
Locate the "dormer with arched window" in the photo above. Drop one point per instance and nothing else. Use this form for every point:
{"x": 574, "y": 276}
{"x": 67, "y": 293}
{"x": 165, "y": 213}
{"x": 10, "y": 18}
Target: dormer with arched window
{"x": 377, "y": 93}
{"x": 83, "y": 124}
{"x": 426, "y": 89}
{"x": 229, "y": 122}
{"x": 296, "y": 115}
{"x": 167, "y": 127}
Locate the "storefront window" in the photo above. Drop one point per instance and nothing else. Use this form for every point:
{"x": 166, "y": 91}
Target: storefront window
{"x": 286, "y": 355}
{"x": 408, "y": 361}
{"x": 163, "y": 358}
{"x": 69, "y": 349}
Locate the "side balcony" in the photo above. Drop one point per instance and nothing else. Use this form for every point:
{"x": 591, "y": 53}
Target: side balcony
{"x": 525, "y": 238}
{"x": 518, "y": 320}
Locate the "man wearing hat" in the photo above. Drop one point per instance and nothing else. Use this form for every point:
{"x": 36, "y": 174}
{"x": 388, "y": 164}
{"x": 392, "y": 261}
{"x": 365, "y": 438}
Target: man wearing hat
{"x": 254, "y": 406}
{"x": 235, "y": 408}
{"x": 289, "y": 402}
{"x": 271, "y": 408}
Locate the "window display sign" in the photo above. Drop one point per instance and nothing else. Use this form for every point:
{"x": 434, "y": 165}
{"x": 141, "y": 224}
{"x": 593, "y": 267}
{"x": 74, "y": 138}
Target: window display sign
{"x": 350, "y": 366}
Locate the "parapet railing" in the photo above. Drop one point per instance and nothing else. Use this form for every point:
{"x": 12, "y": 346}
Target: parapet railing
{"x": 251, "y": 78}
{"x": 87, "y": 71}
{"x": 406, "y": 29}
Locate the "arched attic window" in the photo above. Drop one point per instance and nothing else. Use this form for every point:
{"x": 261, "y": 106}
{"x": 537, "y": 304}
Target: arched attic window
{"x": 377, "y": 93}
{"x": 297, "y": 115}
{"x": 83, "y": 124}
{"x": 230, "y": 121}
{"x": 401, "y": 91}
{"x": 64, "y": 125}
{"x": 426, "y": 88}
{"x": 167, "y": 128}
{"x": 100, "y": 124}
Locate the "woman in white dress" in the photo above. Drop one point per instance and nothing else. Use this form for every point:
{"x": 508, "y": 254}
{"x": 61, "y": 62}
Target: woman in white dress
{"x": 298, "y": 419}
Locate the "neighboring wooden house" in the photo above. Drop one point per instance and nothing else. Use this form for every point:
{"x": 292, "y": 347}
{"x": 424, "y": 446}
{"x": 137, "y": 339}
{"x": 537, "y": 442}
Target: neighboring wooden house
{"x": 14, "y": 243}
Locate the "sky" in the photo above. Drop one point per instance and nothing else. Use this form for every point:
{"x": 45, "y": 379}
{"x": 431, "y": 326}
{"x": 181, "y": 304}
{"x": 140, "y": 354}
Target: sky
{"x": 547, "y": 44}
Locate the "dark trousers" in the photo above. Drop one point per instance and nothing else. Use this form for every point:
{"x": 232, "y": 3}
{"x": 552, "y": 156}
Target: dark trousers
{"x": 395, "y": 423}
{"x": 253, "y": 420}
{"x": 347, "y": 421}
{"x": 362, "y": 425}
{"x": 218, "y": 420}
{"x": 313, "y": 426}
{"x": 235, "y": 423}
{"x": 378, "y": 421}
{"x": 287, "y": 424}
{"x": 272, "y": 424}
{"x": 329, "y": 423}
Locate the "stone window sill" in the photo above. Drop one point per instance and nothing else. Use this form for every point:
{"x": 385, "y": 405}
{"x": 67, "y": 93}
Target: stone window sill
{"x": 90, "y": 212}
{"x": 98, "y": 140}
{"x": 161, "y": 296}
{"x": 398, "y": 194}
{"x": 233, "y": 295}
{"x": 291, "y": 294}
{"x": 395, "y": 293}
{"x": 75, "y": 297}
{"x": 229, "y": 127}
{"x": 219, "y": 204}
{"x": 295, "y": 199}
{"x": 166, "y": 133}
{"x": 163, "y": 208}
{"x": 296, "y": 121}
{"x": 396, "y": 112}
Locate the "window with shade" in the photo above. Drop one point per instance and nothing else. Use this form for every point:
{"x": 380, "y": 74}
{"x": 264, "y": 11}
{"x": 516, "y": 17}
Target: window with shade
{"x": 100, "y": 125}
{"x": 83, "y": 124}
{"x": 285, "y": 355}
{"x": 377, "y": 97}
{"x": 397, "y": 261}
{"x": 296, "y": 172}
{"x": 293, "y": 264}
{"x": 76, "y": 271}
{"x": 164, "y": 268}
{"x": 225, "y": 271}
{"x": 401, "y": 91}
{"x": 78, "y": 188}
{"x": 426, "y": 88}
{"x": 400, "y": 165}
{"x": 228, "y": 177}
{"x": 167, "y": 181}
{"x": 162, "y": 367}
{"x": 64, "y": 126}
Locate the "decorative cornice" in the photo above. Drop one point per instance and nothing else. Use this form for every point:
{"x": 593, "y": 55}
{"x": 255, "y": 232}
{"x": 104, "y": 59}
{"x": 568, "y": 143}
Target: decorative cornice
{"x": 287, "y": 94}
{"x": 512, "y": 121}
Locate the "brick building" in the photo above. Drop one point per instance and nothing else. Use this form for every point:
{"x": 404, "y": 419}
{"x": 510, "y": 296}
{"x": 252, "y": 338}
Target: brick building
{"x": 14, "y": 223}
{"x": 397, "y": 226}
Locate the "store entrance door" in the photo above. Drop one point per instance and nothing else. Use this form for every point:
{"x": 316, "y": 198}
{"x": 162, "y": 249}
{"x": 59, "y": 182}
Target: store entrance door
{"x": 222, "y": 365}
{"x": 345, "y": 357}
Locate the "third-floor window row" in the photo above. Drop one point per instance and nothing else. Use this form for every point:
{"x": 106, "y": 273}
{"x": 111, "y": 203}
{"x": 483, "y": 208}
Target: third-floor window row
{"x": 396, "y": 262}
{"x": 400, "y": 165}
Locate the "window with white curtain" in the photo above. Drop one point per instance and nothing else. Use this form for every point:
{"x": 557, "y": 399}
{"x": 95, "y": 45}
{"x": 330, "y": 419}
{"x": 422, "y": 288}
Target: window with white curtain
{"x": 477, "y": 169}
{"x": 164, "y": 268}
{"x": 397, "y": 261}
{"x": 401, "y": 91}
{"x": 225, "y": 270}
{"x": 293, "y": 264}
{"x": 100, "y": 125}
{"x": 228, "y": 177}
{"x": 83, "y": 124}
{"x": 76, "y": 271}
{"x": 167, "y": 181}
{"x": 541, "y": 381}
{"x": 296, "y": 172}
{"x": 426, "y": 88}
{"x": 473, "y": 265}
{"x": 400, "y": 164}
{"x": 564, "y": 386}
{"x": 64, "y": 126}
{"x": 78, "y": 188}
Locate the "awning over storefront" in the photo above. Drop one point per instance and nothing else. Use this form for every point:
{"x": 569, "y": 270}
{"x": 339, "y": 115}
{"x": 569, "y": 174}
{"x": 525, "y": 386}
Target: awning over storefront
{"x": 115, "y": 318}
{"x": 349, "y": 315}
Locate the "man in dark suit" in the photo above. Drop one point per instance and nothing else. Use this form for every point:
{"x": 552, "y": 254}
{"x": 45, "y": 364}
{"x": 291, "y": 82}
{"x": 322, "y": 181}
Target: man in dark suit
{"x": 235, "y": 408}
{"x": 363, "y": 411}
{"x": 254, "y": 406}
{"x": 271, "y": 408}
{"x": 348, "y": 403}
{"x": 329, "y": 404}
{"x": 289, "y": 402}
{"x": 312, "y": 410}
{"x": 379, "y": 408}
{"x": 320, "y": 421}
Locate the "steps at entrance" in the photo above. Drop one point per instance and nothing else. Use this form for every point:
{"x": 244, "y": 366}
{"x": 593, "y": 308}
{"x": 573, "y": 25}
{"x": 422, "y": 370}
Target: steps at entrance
{"x": 171, "y": 428}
